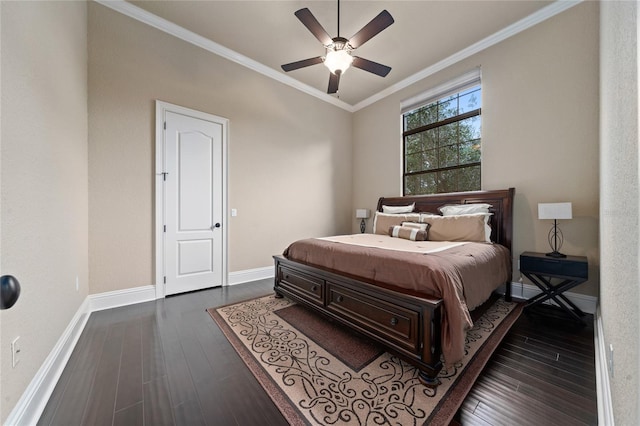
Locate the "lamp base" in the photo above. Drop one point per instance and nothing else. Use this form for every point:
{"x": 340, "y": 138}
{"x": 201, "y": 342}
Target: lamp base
{"x": 363, "y": 226}
{"x": 556, "y": 254}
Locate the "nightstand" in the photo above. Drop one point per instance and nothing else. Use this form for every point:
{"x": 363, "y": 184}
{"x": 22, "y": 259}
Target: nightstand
{"x": 568, "y": 271}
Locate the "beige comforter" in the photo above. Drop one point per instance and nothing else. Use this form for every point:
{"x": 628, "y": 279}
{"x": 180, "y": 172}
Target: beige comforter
{"x": 462, "y": 274}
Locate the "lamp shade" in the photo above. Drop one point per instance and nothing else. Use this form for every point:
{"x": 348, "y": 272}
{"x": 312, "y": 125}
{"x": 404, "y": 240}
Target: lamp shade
{"x": 362, "y": 213}
{"x": 554, "y": 211}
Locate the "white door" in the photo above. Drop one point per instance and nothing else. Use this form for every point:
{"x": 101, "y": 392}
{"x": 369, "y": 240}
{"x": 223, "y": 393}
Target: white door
{"x": 193, "y": 203}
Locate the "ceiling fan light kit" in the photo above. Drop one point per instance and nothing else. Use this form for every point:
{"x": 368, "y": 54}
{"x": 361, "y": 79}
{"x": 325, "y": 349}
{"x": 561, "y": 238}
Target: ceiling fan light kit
{"x": 338, "y": 57}
{"x": 338, "y": 60}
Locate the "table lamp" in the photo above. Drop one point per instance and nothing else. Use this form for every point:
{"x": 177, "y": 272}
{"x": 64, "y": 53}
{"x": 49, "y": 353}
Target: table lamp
{"x": 555, "y": 211}
{"x": 362, "y": 214}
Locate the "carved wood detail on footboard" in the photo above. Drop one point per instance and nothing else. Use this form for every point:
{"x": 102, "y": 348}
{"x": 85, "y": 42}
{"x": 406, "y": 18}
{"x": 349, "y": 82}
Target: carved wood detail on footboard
{"x": 408, "y": 326}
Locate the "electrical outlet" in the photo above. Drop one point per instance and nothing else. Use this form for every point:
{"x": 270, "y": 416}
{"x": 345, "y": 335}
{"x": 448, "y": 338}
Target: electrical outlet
{"x": 610, "y": 360}
{"x": 15, "y": 352}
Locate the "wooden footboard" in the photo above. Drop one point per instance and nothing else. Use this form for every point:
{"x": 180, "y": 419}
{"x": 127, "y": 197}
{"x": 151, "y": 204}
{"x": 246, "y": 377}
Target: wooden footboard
{"x": 408, "y": 326}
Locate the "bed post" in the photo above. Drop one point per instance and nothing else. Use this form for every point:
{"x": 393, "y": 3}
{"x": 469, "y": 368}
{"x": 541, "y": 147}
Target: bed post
{"x": 431, "y": 345}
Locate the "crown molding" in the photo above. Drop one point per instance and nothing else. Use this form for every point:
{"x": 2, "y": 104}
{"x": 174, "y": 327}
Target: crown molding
{"x": 168, "y": 27}
{"x": 161, "y": 24}
{"x": 535, "y": 18}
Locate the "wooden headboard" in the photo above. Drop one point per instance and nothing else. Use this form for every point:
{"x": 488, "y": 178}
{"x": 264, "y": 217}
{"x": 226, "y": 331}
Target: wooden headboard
{"x": 501, "y": 201}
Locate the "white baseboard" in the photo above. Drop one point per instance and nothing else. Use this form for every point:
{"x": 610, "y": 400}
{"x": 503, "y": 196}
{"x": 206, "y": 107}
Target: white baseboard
{"x": 117, "y": 298}
{"x": 248, "y": 275}
{"x": 31, "y": 404}
{"x": 603, "y": 387}
{"x": 587, "y": 304}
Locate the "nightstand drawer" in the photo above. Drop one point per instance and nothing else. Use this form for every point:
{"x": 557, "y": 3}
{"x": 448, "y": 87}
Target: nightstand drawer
{"x": 570, "y": 266}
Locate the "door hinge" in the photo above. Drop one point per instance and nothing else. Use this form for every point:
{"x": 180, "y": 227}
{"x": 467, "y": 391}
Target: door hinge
{"x": 164, "y": 228}
{"x": 165, "y": 125}
{"x": 164, "y": 280}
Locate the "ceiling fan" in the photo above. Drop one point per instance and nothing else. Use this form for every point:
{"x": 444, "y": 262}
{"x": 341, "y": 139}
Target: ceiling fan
{"x": 338, "y": 57}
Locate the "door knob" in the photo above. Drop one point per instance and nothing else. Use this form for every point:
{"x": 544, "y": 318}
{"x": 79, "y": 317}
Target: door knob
{"x": 217, "y": 225}
{"x": 9, "y": 291}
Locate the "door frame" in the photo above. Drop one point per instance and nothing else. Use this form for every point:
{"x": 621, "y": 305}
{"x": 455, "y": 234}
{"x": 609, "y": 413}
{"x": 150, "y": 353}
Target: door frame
{"x": 161, "y": 109}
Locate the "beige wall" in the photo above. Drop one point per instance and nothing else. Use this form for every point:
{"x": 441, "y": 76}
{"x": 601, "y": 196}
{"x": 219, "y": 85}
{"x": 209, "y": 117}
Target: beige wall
{"x": 43, "y": 181}
{"x": 289, "y": 153}
{"x": 620, "y": 203}
{"x": 539, "y": 131}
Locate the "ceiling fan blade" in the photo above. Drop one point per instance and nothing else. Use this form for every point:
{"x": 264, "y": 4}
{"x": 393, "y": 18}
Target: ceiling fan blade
{"x": 306, "y": 17}
{"x": 376, "y": 25}
{"x": 301, "y": 64}
{"x": 334, "y": 80}
{"x": 372, "y": 67}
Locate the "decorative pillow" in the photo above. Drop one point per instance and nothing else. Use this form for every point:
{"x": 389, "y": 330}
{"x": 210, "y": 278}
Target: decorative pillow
{"x": 408, "y": 233}
{"x": 420, "y": 226}
{"x": 456, "y": 228}
{"x": 398, "y": 209}
{"x": 456, "y": 209}
{"x": 383, "y": 221}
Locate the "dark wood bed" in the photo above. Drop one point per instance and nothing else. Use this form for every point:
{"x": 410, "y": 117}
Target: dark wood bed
{"x": 407, "y": 325}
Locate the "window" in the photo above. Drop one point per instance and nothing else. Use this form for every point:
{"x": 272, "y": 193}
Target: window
{"x": 442, "y": 142}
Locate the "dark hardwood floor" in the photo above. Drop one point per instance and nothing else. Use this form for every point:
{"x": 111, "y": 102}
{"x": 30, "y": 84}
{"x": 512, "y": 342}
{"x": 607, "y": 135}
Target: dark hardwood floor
{"x": 167, "y": 362}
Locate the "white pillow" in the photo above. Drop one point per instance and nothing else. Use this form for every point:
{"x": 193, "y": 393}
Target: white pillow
{"x": 456, "y": 209}
{"x": 398, "y": 209}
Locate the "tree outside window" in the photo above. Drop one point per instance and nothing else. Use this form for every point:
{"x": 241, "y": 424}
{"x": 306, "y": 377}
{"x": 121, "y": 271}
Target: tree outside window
{"x": 442, "y": 145}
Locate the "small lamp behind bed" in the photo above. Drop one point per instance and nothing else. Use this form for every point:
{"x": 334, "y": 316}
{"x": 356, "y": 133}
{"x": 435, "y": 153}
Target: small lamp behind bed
{"x": 362, "y": 214}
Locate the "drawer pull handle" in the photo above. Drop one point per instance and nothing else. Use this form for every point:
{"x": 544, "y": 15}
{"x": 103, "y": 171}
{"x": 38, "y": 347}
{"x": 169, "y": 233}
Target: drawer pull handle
{"x": 314, "y": 288}
{"x": 340, "y": 299}
{"x": 286, "y": 277}
{"x": 394, "y": 320}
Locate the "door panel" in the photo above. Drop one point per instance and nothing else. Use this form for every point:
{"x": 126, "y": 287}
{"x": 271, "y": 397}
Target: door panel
{"x": 195, "y": 257}
{"x": 195, "y": 181}
{"x": 193, "y": 203}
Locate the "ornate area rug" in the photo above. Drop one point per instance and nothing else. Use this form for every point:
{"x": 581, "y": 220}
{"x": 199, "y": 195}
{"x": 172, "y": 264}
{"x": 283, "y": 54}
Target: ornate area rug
{"x": 319, "y": 373}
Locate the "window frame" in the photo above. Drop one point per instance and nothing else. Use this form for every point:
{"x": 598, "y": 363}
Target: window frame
{"x": 453, "y": 87}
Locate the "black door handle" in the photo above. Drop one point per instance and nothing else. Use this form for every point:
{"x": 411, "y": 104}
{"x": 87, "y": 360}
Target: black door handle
{"x": 9, "y": 291}
{"x": 217, "y": 225}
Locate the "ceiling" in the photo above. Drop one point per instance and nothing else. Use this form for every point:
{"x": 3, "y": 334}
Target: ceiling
{"x": 424, "y": 34}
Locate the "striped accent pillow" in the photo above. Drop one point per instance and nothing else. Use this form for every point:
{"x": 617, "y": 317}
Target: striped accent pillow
{"x": 420, "y": 226}
{"x": 408, "y": 233}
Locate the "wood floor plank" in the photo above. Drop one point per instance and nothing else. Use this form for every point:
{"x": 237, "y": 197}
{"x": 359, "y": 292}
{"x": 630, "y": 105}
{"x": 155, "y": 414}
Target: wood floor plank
{"x": 189, "y": 413}
{"x": 181, "y": 387}
{"x": 516, "y": 405}
{"x": 130, "y": 375}
{"x": 157, "y": 404}
{"x": 246, "y": 388}
{"x": 153, "y": 363}
{"x": 100, "y": 407}
{"x": 130, "y": 416}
